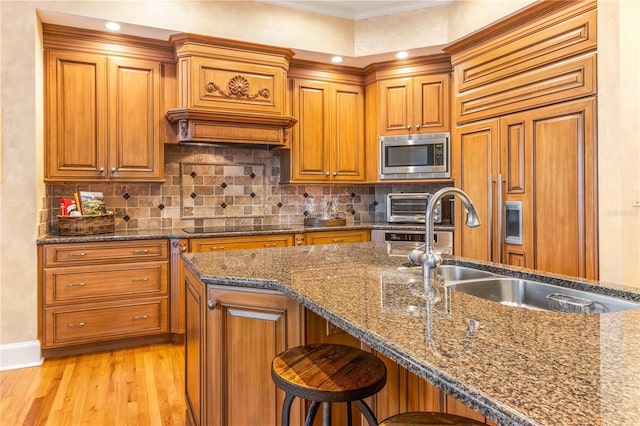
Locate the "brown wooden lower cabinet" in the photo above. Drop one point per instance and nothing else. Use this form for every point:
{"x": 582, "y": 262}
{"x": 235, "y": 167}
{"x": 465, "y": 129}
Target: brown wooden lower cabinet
{"x": 231, "y": 337}
{"x": 102, "y": 295}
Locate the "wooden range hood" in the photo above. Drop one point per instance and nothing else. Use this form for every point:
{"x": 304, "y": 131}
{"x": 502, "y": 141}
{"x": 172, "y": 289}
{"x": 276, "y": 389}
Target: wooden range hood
{"x": 230, "y": 92}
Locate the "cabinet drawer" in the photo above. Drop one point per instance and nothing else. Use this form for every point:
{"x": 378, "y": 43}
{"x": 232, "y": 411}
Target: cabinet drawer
{"x": 329, "y": 237}
{"x": 238, "y": 243}
{"x": 88, "y": 283}
{"x": 105, "y": 252}
{"x": 106, "y": 321}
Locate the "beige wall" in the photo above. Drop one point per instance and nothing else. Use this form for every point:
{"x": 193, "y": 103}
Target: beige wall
{"x": 21, "y": 87}
{"x": 619, "y": 139}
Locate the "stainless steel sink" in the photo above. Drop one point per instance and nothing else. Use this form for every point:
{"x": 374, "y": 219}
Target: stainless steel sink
{"x": 541, "y": 296}
{"x": 459, "y": 273}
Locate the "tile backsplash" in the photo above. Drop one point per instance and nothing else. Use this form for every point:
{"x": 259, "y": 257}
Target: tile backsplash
{"x": 214, "y": 186}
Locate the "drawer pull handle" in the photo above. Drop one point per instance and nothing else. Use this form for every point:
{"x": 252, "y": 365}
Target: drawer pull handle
{"x": 145, "y": 251}
{"x": 139, "y": 317}
{"x": 76, "y": 324}
{"x": 270, "y": 244}
{"x": 76, "y": 285}
{"x": 338, "y": 240}
{"x": 139, "y": 279}
{"x": 79, "y": 254}
{"x": 214, "y": 248}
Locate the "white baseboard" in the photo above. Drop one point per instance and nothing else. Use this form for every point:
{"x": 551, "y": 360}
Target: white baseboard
{"x": 20, "y": 355}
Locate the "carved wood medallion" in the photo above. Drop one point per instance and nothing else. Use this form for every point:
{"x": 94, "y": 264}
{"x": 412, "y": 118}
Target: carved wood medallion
{"x": 239, "y": 88}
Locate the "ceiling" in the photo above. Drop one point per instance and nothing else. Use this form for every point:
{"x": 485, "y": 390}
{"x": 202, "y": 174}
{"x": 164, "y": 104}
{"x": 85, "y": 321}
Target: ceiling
{"x": 358, "y": 9}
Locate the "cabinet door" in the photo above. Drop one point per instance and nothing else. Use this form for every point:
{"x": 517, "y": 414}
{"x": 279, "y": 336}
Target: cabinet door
{"x": 76, "y": 116}
{"x": 560, "y": 216}
{"x": 195, "y": 343}
{"x": 431, "y": 99}
{"x": 347, "y": 133}
{"x": 475, "y": 164}
{"x": 135, "y": 151}
{"x": 395, "y": 106}
{"x": 311, "y": 141}
{"x": 246, "y": 330}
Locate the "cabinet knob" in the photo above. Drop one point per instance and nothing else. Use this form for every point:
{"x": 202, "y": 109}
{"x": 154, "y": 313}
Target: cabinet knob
{"x": 113, "y": 170}
{"x": 183, "y": 247}
{"x": 101, "y": 170}
{"x": 335, "y": 173}
{"x": 212, "y": 304}
{"x": 417, "y": 127}
{"x": 409, "y": 127}
{"x": 327, "y": 174}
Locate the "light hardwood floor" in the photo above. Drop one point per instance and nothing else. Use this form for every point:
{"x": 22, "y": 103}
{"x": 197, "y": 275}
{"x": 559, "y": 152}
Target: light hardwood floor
{"x": 137, "y": 386}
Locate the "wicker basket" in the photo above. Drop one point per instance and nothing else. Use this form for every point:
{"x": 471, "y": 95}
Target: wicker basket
{"x": 86, "y": 225}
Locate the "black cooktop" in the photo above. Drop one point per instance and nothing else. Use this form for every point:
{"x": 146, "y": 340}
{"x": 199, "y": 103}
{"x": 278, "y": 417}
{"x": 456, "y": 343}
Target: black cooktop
{"x": 235, "y": 228}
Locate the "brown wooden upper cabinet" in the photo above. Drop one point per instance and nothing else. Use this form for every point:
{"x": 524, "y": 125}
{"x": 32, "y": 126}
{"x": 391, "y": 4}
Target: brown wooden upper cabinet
{"x": 103, "y": 111}
{"x": 328, "y": 140}
{"x": 414, "y": 105}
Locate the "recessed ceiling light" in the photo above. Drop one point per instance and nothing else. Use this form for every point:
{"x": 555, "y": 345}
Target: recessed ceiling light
{"x": 336, "y": 59}
{"x": 402, "y": 55}
{"x": 113, "y": 26}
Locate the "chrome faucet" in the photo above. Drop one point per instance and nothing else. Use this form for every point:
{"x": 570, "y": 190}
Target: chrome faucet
{"x": 429, "y": 259}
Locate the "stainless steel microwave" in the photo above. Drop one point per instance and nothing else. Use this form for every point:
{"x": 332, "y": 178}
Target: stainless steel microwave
{"x": 422, "y": 156}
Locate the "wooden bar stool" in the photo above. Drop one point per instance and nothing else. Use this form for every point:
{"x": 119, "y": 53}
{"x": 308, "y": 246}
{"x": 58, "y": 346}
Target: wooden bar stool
{"x": 327, "y": 373}
{"x": 429, "y": 418}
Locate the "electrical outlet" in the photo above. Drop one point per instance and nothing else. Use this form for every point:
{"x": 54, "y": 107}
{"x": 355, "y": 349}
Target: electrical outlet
{"x": 636, "y": 197}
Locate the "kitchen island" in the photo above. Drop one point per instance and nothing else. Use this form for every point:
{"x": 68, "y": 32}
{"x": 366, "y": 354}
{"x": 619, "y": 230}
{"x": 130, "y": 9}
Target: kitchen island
{"x": 515, "y": 366}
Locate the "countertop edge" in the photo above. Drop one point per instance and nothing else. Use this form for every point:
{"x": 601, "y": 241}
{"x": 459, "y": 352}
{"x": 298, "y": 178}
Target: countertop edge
{"x": 177, "y": 233}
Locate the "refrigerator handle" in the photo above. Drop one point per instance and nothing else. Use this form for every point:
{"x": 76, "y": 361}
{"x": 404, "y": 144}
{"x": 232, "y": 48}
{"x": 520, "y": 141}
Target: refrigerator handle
{"x": 500, "y": 214}
{"x": 490, "y": 210}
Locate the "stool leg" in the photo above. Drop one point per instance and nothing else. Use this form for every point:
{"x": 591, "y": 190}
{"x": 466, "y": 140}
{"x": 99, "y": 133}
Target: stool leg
{"x": 311, "y": 415}
{"x": 326, "y": 414}
{"x": 286, "y": 408}
{"x": 366, "y": 411}
{"x": 349, "y": 422}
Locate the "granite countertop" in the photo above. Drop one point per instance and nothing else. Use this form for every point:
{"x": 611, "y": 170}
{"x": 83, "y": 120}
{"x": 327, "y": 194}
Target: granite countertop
{"x": 519, "y": 367}
{"x": 210, "y": 232}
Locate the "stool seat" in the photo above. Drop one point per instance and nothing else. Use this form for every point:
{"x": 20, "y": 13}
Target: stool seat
{"x": 429, "y": 418}
{"x": 326, "y": 373}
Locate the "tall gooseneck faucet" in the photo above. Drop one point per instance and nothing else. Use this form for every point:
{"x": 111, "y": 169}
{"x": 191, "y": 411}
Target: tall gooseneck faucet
{"x": 429, "y": 259}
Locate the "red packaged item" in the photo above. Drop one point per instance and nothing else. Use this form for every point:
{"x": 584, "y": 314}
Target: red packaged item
{"x": 67, "y": 205}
